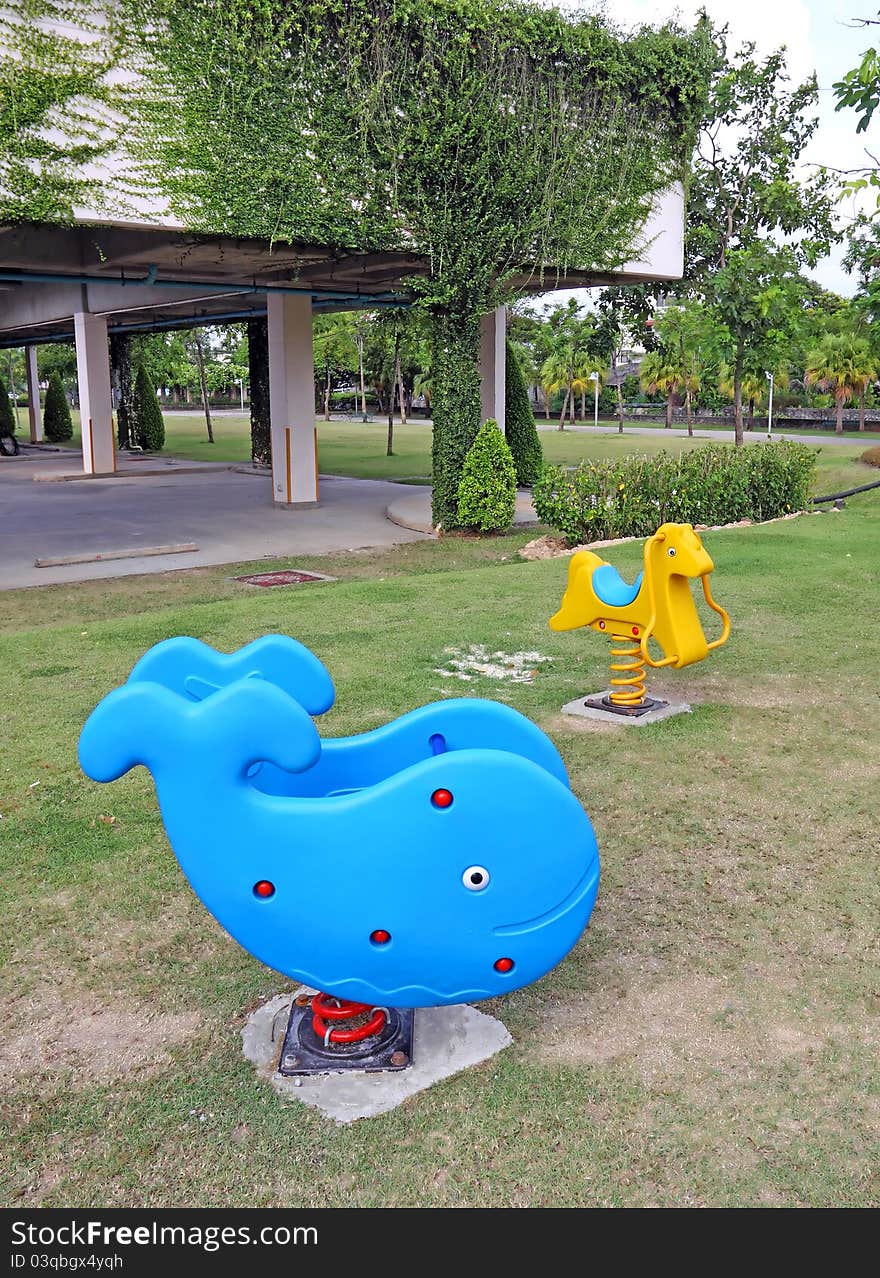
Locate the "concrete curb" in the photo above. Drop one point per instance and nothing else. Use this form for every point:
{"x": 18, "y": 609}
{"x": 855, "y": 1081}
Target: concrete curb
{"x": 203, "y": 468}
{"x": 414, "y": 512}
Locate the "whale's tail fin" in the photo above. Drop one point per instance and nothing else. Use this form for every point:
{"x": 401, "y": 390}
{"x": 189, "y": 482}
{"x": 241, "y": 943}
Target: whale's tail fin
{"x": 195, "y": 670}
{"x": 213, "y": 742}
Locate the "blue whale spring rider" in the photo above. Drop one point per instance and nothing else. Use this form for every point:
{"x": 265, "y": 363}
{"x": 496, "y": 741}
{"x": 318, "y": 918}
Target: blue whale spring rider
{"x": 439, "y": 859}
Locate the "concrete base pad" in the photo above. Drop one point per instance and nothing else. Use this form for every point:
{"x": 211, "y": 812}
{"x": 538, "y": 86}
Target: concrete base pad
{"x": 608, "y": 716}
{"x": 447, "y": 1040}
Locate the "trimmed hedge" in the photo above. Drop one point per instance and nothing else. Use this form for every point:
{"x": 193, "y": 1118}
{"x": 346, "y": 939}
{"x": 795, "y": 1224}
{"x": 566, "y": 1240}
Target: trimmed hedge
{"x": 519, "y": 423}
{"x": 487, "y": 491}
{"x": 871, "y": 456}
{"x": 719, "y": 484}
{"x": 57, "y": 424}
{"x": 148, "y": 425}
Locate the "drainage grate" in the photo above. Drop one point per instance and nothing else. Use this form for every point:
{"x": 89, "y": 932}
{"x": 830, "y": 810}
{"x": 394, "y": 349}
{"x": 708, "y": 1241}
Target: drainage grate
{"x": 285, "y": 577}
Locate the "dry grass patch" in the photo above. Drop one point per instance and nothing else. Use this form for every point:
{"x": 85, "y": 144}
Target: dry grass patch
{"x": 76, "y": 1042}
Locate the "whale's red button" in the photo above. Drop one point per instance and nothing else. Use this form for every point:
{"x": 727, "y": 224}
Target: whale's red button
{"x": 442, "y": 798}
{"x": 504, "y": 965}
{"x": 380, "y": 936}
{"x": 264, "y": 888}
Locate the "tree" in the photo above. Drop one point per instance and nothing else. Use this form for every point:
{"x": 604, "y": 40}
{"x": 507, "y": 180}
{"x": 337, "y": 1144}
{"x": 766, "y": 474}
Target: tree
{"x": 57, "y": 357}
{"x": 195, "y": 346}
{"x": 843, "y": 366}
{"x": 148, "y": 426}
{"x": 519, "y": 423}
{"x": 122, "y": 381}
{"x": 661, "y": 371}
{"x": 746, "y": 185}
{"x": 757, "y": 297}
{"x": 689, "y": 339}
{"x": 557, "y": 373}
{"x": 860, "y": 87}
{"x": 57, "y": 424}
{"x": 336, "y": 354}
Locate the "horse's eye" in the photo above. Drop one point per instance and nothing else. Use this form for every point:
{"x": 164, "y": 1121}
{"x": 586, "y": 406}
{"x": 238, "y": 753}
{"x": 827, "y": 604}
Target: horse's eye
{"x": 671, "y": 552}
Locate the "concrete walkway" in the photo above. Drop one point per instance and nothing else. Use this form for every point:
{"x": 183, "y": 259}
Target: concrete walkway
{"x": 227, "y": 513}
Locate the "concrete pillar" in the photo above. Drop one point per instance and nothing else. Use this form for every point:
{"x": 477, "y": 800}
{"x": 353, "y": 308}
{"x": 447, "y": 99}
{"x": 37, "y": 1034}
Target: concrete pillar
{"x": 35, "y": 412}
{"x": 292, "y": 400}
{"x": 493, "y": 335}
{"x": 95, "y": 404}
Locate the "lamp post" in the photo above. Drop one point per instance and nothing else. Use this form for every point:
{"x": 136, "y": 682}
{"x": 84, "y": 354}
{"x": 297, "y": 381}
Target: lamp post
{"x": 240, "y": 381}
{"x": 769, "y": 377}
{"x": 594, "y": 378}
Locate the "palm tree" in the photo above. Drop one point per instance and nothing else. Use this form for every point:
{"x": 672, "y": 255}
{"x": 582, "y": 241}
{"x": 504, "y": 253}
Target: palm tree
{"x": 557, "y": 373}
{"x": 584, "y": 365}
{"x": 661, "y": 372}
{"x": 691, "y": 383}
{"x": 843, "y": 366}
{"x": 753, "y": 387}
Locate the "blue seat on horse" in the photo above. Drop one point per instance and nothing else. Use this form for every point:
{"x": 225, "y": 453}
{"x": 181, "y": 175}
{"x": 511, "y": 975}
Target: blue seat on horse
{"x": 611, "y": 589}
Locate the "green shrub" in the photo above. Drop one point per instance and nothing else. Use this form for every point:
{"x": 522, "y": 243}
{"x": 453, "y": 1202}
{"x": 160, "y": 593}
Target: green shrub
{"x": 519, "y": 423}
{"x": 719, "y": 484}
{"x": 7, "y": 416}
{"x": 148, "y": 426}
{"x": 57, "y": 425}
{"x": 487, "y": 490}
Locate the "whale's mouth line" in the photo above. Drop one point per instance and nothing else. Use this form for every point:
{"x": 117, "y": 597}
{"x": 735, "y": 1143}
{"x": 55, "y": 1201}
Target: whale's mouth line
{"x": 568, "y": 903}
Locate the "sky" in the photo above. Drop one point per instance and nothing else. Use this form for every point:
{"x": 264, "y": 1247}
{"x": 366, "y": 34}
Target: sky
{"x": 818, "y": 38}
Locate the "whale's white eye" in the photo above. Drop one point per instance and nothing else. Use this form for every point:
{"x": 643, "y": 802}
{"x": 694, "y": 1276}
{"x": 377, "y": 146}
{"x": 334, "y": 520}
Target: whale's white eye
{"x": 671, "y": 552}
{"x": 475, "y": 878}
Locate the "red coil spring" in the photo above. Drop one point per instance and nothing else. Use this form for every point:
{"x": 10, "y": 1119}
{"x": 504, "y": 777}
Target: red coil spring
{"x": 327, "y": 1008}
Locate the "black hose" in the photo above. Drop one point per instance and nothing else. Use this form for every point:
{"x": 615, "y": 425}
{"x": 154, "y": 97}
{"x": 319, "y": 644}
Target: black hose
{"x": 850, "y": 492}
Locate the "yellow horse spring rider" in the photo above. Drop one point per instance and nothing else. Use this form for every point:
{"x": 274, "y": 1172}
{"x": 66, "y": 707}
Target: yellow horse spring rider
{"x": 658, "y": 605}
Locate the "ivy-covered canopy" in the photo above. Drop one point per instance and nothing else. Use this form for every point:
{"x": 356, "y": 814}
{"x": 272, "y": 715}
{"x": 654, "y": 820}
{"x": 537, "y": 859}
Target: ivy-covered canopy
{"x": 474, "y": 129}
{"x": 498, "y": 141}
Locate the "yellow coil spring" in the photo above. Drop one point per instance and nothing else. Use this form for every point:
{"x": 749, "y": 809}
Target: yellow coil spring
{"x": 630, "y": 690}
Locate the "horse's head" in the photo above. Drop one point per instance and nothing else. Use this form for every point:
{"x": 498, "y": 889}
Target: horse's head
{"x": 676, "y": 548}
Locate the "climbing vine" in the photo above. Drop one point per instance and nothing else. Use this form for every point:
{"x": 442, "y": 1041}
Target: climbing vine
{"x": 56, "y": 115}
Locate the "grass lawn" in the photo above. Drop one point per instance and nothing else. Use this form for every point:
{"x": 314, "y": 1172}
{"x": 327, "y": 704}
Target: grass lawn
{"x": 711, "y": 1040}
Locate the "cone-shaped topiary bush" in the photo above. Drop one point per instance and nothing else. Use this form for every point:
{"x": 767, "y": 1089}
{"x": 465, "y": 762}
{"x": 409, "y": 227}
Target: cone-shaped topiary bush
{"x": 57, "y": 425}
{"x": 7, "y": 417}
{"x": 148, "y": 426}
{"x": 519, "y": 424}
{"x": 487, "y": 491}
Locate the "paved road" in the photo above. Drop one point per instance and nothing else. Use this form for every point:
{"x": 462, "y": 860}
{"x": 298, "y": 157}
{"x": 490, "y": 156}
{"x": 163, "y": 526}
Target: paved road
{"x": 725, "y": 436}
{"x": 229, "y": 515}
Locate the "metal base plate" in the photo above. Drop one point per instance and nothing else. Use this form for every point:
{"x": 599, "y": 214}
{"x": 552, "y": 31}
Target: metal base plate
{"x": 302, "y": 1052}
{"x": 629, "y": 712}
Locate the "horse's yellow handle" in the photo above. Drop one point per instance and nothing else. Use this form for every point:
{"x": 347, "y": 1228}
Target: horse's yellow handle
{"x": 652, "y": 620}
{"x": 725, "y": 619}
